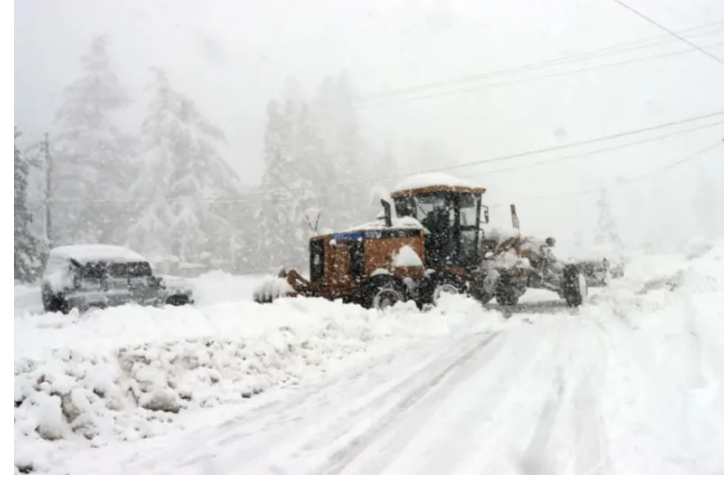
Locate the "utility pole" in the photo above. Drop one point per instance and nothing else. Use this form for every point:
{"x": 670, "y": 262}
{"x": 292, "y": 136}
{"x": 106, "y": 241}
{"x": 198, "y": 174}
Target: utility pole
{"x": 48, "y": 190}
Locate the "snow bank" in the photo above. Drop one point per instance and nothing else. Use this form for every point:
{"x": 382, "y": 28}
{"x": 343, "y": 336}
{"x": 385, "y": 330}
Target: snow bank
{"x": 125, "y": 373}
{"x": 27, "y": 299}
{"x": 216, "y": 287}
{"x": 664, "y": 328}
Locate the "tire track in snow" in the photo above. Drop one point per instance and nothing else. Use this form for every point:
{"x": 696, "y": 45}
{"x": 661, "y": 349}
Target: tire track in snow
{"x": 428, "y": 388}
{"x": 573, "y": 405}
{"x": 535, "y": 459}
{"x": 276, "y": 411}
{"x": 277, "y": 428}
{"x": 591, "y": 448}
{"x": 409, "y": 425}
{"x": 472, "y": 419}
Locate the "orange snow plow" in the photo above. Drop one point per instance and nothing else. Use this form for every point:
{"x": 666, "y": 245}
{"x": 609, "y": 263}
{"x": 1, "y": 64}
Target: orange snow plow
{"x": 432, "y": 239}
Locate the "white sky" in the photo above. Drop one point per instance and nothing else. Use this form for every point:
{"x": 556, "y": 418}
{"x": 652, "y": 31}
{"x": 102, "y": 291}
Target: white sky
{"x": 232, "y": 56}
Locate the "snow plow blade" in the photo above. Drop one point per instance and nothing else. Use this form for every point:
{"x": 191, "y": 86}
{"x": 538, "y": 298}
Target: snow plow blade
{"x": 284, "y": 284}
{"x": 599, "y": 272}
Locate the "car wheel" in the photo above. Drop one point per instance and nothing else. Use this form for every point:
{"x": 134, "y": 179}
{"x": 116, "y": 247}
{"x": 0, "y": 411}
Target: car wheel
{"x": 177, "y": 300}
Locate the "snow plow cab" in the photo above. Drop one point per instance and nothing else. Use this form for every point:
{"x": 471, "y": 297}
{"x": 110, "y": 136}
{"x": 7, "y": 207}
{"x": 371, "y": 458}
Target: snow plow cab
{"x": 429, "y": 240}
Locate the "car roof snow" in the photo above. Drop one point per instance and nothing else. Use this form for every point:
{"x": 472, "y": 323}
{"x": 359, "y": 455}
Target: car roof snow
{"x": 97, "y": 253}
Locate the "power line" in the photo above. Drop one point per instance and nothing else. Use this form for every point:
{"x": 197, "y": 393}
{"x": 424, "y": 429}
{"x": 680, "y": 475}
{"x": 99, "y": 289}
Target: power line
{"x": 599, "y": 151}
{"x": 248, "y": 196}
{"x": 630, "y": 180}
{"x": 659, "y": 25}
{"x": 612, "y": 50}
{"x": 671, "y": 165}
{"x": 525, "y": 80}
{"x": 570, "y": 145}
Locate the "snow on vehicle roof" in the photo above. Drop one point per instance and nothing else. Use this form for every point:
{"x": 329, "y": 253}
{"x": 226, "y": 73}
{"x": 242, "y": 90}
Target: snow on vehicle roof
{"x": 398, "y": 223}
{"x": 96, "y": 253}
{"x": 431, "y": 179}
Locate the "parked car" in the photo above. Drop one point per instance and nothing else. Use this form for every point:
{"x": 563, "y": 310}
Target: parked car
{"x": 86, "y": 276}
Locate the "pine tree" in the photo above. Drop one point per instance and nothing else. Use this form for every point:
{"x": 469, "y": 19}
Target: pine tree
{"x": 313, "y": 169}
{"x": 276, "y": 214}
{"x": 182, "y": 176}
{"x": 333, "y": 106}
{"x": 27, "y": 249}
{"x": 606, "y": 233}
{"x": 91, "y": 169}
{"x": 353, "y": 198}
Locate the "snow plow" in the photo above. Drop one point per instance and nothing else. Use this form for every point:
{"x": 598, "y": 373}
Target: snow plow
{"x": 432, "y": 238}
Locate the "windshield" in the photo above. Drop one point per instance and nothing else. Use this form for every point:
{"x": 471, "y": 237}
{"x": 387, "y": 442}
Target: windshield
{"x": 427, "y": 208}
{"x": 469, "y": 210}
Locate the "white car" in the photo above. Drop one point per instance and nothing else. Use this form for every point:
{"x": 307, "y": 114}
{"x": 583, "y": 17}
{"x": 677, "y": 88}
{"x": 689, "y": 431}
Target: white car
{"x": 85, "y": 276}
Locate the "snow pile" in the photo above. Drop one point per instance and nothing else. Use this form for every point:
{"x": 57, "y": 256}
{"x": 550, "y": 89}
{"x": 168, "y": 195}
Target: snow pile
{"x": 665, "y": 336}
{"x": 499, "y": 233}
{"x": 271, "y": 288}
{"x": 215, "y": 287}
{"x": 126, "y": 372}
{"x": 27, "y": 299}
{"x": 406, "y": 257}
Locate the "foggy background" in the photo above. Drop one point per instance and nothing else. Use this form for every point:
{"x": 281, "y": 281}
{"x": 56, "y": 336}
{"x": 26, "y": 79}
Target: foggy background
{"x": 379, "y": 114}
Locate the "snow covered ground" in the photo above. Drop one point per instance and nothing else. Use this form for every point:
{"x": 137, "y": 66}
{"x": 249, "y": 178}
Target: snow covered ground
{"x": 632, "y": 382}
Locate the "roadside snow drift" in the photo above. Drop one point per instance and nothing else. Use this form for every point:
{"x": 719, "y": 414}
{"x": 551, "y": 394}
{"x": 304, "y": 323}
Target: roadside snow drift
{"x": 631, "y": 382}
{"x": 123, "y": 373}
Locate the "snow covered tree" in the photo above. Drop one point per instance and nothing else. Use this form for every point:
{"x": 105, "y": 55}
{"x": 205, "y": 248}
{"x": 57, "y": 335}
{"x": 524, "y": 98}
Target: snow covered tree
{"x": 27, "y": 246}
{"x": 314, "y": 171}
{"x": 296, "y": 181}
{"x": 340, "y": 134}
{"x": 606, "y": 233}
{"x": 276, "y": 215}
{"x": 91, "y": 168}
{"x": 183, "y": 174}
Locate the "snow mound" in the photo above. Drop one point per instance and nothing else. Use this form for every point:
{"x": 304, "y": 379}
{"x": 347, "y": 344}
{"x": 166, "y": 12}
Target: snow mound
{"x": 216, "y": 287}
{"x": 406, "y": 257}
{"x": 127, "y": 373}
{"x": 271, "y": 288}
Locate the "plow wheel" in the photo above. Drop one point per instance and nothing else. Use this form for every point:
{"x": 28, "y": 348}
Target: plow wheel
{"x": 432, "y": 288}
{"x": 382, "y": 292}
{"x": 506, "y": 292}
{"x": 574, "y": 288}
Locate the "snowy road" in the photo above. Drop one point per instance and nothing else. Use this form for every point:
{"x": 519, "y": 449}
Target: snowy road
{"x": 630, "y": 383}
{"x": 489, "y": 402}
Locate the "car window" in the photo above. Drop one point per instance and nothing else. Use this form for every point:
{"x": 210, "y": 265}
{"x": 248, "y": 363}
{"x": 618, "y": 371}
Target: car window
{"x": 94, "y": 270}
{"x": 130, "y": 269}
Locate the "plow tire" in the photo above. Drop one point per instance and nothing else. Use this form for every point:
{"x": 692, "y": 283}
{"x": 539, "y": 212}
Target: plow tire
{"x": 505, "y": 292}
{"x": 383, "y": 291}
{"x": 574, "y": 288}
{"x": 431, "y": 287}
